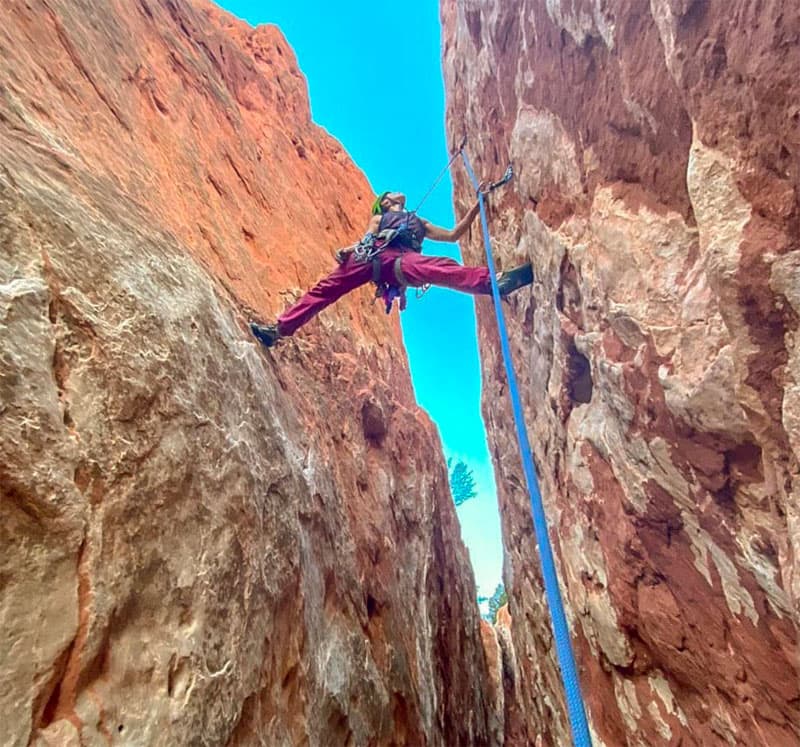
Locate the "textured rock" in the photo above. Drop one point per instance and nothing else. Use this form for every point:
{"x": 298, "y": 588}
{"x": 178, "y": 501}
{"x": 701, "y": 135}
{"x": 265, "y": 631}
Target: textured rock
{"x": 204, "y": 543}
{"x": 494, "y": 663}
{"x": 657, "y": 152}
{"x": 498, "y": 643}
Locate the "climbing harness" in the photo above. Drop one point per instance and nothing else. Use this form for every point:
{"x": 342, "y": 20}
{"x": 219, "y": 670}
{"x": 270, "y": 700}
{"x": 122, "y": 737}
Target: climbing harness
{"x": 389, "y": 292}
{"x": 402, "y": 229}
{"x": 569, "y": 674}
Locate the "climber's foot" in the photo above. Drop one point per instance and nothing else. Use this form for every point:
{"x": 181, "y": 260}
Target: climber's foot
{"x": 515, "y": 279}
{"x": 266, "y": 334}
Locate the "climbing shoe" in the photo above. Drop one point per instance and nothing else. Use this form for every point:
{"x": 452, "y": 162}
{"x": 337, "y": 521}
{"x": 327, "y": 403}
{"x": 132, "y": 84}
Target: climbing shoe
{"x": 515, "y": 279}
{"x": 266, "y": 334}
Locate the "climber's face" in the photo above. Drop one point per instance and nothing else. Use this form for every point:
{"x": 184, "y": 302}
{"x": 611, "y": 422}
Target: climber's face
{"x": 393, "y": 201}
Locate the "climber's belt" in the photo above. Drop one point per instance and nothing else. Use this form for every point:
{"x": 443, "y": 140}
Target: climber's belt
{"x": 397, "y": 267}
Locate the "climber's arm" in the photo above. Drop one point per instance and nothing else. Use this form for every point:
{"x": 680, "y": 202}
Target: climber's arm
{"x": 454, "y": 234}
{"x": 436, "y": 233}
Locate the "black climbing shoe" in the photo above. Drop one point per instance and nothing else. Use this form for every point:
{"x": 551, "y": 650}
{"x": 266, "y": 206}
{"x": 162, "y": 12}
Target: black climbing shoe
{"x": 266, "y": 334}
{"x": 515, "y": 279}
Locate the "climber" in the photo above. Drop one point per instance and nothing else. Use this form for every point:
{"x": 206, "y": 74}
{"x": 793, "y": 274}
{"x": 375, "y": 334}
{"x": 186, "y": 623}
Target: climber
{"x": 390, "y": 256}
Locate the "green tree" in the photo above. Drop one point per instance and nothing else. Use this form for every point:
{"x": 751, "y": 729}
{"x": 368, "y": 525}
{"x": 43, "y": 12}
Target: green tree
{"x": 462, "y": 483}
{"x": 496, "y": 601}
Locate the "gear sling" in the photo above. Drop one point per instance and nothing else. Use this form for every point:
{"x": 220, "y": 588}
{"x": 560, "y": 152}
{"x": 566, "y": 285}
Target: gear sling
{"x": 402, "y": 230}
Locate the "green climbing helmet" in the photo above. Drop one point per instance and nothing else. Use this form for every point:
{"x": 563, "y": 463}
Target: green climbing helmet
{"x": 376, "y": 206}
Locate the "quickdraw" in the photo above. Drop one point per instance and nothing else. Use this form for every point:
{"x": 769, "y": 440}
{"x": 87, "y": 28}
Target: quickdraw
{"x": 508, "y": 175}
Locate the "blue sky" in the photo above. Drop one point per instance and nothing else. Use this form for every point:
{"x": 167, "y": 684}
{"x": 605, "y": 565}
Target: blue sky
{"x": 375, "y": 83}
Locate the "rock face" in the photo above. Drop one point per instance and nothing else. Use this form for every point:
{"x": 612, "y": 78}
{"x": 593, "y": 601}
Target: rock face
{"x": 508, "y": 725}
{"x": 204, "y": 543}
{"x": 657, "y": 151}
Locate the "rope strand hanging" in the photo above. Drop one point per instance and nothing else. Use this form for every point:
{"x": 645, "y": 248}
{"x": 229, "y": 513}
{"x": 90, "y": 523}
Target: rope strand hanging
{"x": 566, "y": 659}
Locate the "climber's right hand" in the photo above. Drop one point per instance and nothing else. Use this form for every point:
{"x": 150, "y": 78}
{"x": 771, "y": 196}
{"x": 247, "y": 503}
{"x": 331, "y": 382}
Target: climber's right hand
{"x": 342, "y": 255}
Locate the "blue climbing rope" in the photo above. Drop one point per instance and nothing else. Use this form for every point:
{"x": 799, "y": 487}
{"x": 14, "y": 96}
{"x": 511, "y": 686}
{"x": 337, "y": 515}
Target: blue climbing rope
{"x": 569, "y": 673}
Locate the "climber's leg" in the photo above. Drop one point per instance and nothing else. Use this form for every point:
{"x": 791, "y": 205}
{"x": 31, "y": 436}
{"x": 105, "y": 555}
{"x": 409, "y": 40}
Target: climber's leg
{"x": 417, "y": 269}
{"x": 345, "y": 278}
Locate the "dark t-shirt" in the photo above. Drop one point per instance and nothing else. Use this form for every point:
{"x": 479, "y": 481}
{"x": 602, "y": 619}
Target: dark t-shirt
{"x": 411, "y": 231}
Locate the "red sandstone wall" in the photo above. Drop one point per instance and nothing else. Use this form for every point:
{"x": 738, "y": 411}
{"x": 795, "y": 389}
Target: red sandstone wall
{"x": 204, "y": 543}
{"x": 657, "y": 149}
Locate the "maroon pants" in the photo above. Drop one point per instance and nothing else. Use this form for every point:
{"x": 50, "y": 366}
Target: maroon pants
{"x": 415, "y": 270}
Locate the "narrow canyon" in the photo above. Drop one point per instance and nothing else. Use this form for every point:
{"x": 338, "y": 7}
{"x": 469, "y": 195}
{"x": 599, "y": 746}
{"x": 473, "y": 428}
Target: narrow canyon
{"x": 209, "y": 543}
